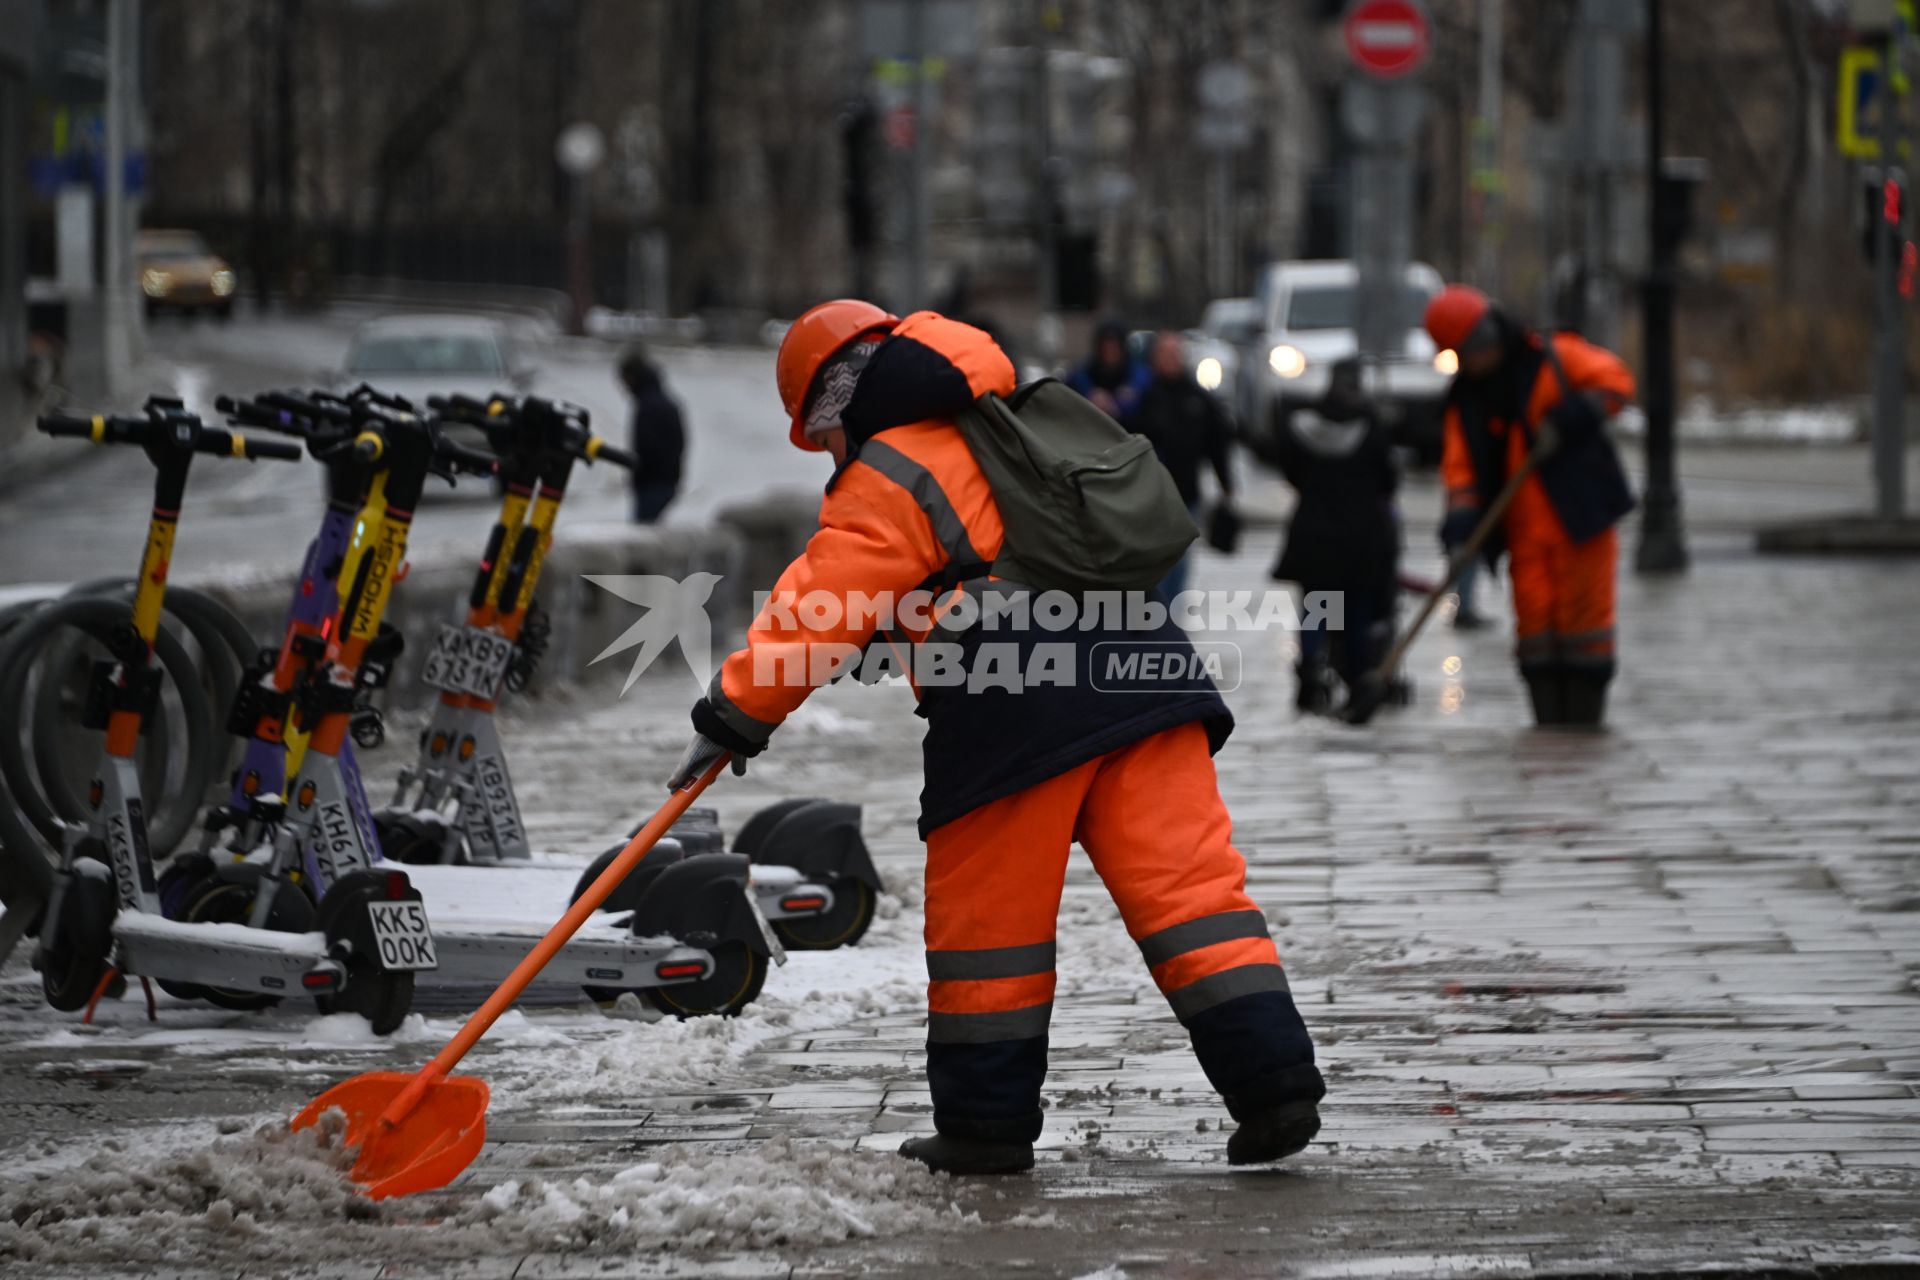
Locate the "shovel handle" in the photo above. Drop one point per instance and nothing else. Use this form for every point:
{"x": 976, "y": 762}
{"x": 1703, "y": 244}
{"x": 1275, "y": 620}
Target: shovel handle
{"x": 1457, "y": 564}
{"x": 557, "y": 937}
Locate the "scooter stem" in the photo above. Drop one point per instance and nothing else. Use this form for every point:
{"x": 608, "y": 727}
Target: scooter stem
{"x": 557, "y": 937}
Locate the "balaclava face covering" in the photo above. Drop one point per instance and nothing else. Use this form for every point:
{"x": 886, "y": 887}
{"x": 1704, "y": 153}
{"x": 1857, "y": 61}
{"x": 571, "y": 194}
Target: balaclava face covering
{"x": 833, "y": 387}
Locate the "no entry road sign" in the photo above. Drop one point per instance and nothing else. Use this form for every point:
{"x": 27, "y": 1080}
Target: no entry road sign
{"x": 1388, "y": 38}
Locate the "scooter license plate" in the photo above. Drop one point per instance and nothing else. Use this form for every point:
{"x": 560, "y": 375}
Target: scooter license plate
{"x": 402, "y": 936}
{"x": 778, "y": 952}
{"x": 469, "y": 660}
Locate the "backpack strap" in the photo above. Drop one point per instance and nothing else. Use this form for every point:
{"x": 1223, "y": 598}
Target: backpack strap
{"x": 963, "y": 560}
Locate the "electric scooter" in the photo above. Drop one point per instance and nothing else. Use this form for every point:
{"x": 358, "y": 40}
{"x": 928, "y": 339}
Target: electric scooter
{"x": 700, "y": 899}
{"x": 193, "y": 886}
{"x": 812, "y": 877}
{"x": 104, "y": 917}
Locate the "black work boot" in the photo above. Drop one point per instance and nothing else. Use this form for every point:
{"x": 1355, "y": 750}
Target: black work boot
{"x": 1274, "y": 1134}
{"x": 1278, "y": 1115}
{"x": 1311, "y": 695}
{"x": 1546, "y": 688}
{"x": 963, "y": 1156}
{"x": 1584, "y": 698}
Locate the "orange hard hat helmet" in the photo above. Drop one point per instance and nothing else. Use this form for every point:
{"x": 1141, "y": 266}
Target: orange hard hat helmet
{"x": 814, "y": 339}
{"x": 1456, "y": 315}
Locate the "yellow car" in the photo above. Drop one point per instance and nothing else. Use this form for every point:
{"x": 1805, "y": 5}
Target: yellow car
{"x": 179, "y": 271}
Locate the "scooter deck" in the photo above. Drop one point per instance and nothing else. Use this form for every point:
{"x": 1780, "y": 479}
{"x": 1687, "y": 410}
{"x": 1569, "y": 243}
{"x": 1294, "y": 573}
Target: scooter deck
{"x": 230, "y": 956}
{"x": 485, "y": 920}
{"x": 510, "y": 894}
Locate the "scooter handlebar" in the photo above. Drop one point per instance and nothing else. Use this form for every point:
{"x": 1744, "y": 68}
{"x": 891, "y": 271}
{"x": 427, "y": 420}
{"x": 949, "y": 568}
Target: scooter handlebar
{"x": 232, "y": 444}
{"x": 178, "y": 433}
{"x": 253, "y": 413}
{"x": 461, "y": 458}
{"x": 67, "y": 424}
{"x": 465, "y": 407}
{"x": 598, "y": 450}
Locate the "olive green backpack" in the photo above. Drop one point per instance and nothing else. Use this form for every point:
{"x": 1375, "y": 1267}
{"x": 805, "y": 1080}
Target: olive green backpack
{"x": 1085, "y": 503}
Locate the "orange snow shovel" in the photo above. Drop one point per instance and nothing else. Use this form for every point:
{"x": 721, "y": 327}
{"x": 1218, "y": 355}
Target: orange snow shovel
{"x": 417, "y": 1132}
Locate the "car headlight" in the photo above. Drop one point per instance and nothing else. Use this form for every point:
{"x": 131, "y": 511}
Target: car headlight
{"x": 223, "y": 282}
{"x": 1209, "y": 374}
{"x": 154, "y": 282}
{"x": 1288, "y": 362}
{"x": 1446, "y": 361}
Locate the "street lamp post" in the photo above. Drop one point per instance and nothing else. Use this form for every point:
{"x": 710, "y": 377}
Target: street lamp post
{"x": 579, "y": 150}
{"x": 1663, "y": 547}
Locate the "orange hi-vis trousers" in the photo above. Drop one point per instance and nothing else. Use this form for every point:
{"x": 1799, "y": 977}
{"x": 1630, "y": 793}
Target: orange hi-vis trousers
{"x": 1151, "y": 819}
{"x": 1563, "y": 600}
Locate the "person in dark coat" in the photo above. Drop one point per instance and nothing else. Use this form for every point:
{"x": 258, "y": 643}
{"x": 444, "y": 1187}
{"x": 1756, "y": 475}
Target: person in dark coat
{"x": 659, "y": 438}
{"x": 1189, "y": 430}
{"x": 1345, "y": 534}
{"x": 1111, "y": 377}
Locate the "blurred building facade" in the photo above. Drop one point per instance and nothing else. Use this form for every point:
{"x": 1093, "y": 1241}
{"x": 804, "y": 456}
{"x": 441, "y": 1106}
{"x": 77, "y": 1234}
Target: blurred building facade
{"x": 19, "y": 29}
{"x": 1137, "y": 156}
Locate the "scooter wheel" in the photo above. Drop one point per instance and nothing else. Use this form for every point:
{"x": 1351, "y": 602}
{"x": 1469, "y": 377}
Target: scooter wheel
{"x": 754, "y": 832}
{"x": 384, "y": 999}
{"x": 844, "y": 925}
{"x": 178, "y": 883}
{"x": 738, "y": 975}
{"x": 407, "y": 839}
{"x": 76, "y": 956}
{"x": 382, "y": 996}
{"x": 217, "y": 901}
{"x": 627, "y": 894}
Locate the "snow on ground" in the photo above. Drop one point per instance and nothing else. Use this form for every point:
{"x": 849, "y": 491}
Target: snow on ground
{"x": 240, "y": 1192}
{"x": 270, "y": 1195}
{"x": 1701, "y": 421}
{"x": 638, "y": 1059}
{"x": 775, "y": 1193}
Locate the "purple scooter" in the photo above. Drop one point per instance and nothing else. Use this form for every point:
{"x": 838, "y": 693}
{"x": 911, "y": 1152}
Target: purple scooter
{"x": 201, "y": 887}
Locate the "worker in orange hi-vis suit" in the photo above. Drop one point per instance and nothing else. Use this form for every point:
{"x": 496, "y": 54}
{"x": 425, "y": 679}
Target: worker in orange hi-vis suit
{"x": 1514, "y": 385}
{"x": 1014, "y": 777}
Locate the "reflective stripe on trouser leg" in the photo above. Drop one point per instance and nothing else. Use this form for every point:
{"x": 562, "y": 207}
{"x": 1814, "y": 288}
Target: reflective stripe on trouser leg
{"x": 1159, "y": 835}
{"x": 1563, "y": 594}
{"x": 994, "y": 878}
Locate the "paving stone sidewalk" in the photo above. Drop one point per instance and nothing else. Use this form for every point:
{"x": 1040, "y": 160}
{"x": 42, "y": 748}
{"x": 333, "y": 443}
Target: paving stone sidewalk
{"x": 1634, "y": 1002}
{"x": 1641, "y": 1002}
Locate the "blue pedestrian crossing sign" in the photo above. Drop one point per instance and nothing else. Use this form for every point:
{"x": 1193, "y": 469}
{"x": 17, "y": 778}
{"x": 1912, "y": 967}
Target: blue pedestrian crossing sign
{"x": 1862, "y": 99}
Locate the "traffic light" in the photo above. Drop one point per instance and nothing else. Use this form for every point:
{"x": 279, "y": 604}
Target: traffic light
{"x": 859, "y": 141}
{"x": 1883, "y": 200}
{"x": 1680, "y": 177}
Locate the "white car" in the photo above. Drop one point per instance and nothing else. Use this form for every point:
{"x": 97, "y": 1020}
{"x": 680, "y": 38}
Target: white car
{"x": 1306, "y": 318}
{"x": 417, "y": 356}
{"x": 1215, "y": 349}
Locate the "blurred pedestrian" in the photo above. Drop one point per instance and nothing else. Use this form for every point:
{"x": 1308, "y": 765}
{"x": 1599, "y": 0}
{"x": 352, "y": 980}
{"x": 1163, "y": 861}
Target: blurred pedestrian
{"x": 1345, "y": 535}
{"x": 1111, "y": 377}
{"x": 1466, "y": 615}
{"x": 659, "y": 438}
{"x": 1188, "y": 429}
{"x": 1518, "y": 391}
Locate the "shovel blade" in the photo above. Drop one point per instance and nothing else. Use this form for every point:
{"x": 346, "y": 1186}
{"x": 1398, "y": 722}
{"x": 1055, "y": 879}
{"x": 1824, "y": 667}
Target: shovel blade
{"x": 430, "y": 1145}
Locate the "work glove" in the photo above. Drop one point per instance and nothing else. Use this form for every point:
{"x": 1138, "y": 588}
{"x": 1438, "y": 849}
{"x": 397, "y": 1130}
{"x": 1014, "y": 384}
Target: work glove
{"x": 1458, "y": 526}
{"x": 712, "y": 739}
{"x": 1575, "y": 420}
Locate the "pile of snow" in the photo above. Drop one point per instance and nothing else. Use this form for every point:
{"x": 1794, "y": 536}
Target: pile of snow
{"x": 641, "y": 1060}
{"x": 238, "y": 1195}
{"x": 276, "y": 1196}
{"x": 773, "y": 1194}
{"x": 1702, "y": 420}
